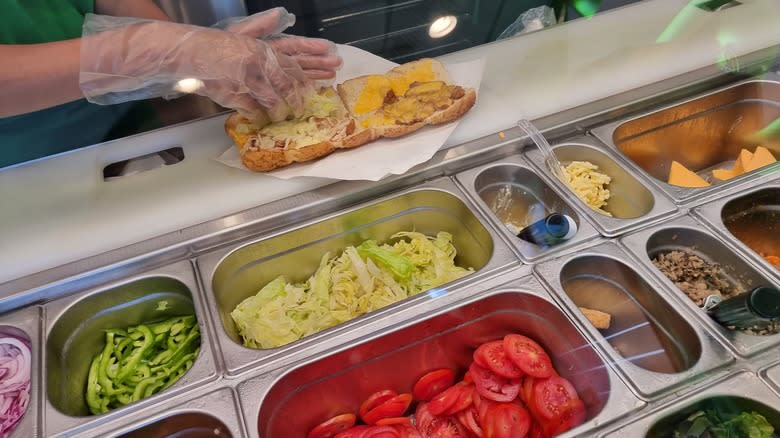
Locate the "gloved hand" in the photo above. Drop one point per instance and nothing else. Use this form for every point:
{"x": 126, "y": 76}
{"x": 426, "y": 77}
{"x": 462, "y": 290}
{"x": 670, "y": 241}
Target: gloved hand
{"x": 318, "y": 57}
{"x": 126, "y": 59}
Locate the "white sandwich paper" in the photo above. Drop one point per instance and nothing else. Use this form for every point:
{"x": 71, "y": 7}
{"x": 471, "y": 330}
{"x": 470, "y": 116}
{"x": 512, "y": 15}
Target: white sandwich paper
{"x": 382, "y": 157}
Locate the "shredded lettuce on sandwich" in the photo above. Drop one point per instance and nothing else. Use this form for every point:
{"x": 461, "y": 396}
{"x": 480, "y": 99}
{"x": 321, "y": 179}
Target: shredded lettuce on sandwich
{"x": 361, "y": 279}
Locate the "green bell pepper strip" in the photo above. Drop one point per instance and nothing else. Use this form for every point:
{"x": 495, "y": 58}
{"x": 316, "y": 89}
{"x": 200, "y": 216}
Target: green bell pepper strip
{"x": 166, "y": 326}
{"x": 141, "y": 372}
{"x": 161, "y": 357}
{"x": 173, "y": 367}
{"x": 117, "y": 331}
{"x": 184, "y": 346}
{"x": 140, "y": 361}
{"x": 106, "y": 383}
{"x": 184, "y": 366}
{"x": 178, "y": 328}
{"x": 174, "y": 341}
{"x": 111, "y": 367}
{"x": 154, "y": 388}
{"x": 121, "y": 350}
{"x": 124, "y": 398}
{"x": 95, "y": 401}
{"x": 162, "y": 327}
{"x": 140, "y": 389}
{"x": 127, "y": 366}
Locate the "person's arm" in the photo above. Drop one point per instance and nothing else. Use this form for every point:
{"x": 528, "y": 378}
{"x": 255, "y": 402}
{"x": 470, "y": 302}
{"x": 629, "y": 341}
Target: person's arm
{"x": 135, "y": 8}
{"x": 122, "y": 58}
{"x": 39, "y": 76}
{"x": 47, "y": 74}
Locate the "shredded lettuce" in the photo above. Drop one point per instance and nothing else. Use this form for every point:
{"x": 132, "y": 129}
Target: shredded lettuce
{"x": 717, "y": 423}
{"x": 399, "y": 265}
{"x": 360, "y": 280}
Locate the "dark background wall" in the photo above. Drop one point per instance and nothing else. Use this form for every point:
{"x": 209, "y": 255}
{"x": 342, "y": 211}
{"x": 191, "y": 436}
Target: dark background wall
{"x": 394, "y": 29}
{"x": 398, "y": 29}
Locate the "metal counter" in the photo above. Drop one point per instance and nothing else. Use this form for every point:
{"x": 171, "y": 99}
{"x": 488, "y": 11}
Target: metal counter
{"x": 662, "y": 356}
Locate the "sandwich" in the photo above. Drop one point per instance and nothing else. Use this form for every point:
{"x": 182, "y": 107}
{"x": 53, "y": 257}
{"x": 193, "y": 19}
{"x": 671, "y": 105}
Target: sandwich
{"x": 324, "y": 127}
{"x": 356, "y": 112}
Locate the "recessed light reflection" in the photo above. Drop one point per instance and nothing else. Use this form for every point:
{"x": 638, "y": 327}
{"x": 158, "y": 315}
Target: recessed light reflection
{"x": 188, "y": 85}
{"x": 442, "y": 26}
{"x": 436, "y": 292}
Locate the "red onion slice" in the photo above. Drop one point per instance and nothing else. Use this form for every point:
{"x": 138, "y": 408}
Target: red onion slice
{"x": 14, "y": 382}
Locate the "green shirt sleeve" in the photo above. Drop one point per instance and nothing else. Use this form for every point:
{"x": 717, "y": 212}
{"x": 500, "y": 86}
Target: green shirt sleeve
{"x": 42, "y": 21}
{"x": 71, "y": 125}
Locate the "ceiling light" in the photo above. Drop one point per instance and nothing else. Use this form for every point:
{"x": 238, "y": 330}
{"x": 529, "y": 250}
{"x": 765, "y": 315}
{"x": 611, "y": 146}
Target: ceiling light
{"x": 442, "y": 26}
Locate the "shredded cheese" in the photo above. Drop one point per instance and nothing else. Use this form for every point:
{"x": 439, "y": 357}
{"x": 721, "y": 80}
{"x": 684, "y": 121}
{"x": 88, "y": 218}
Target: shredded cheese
{"x": 588, "y": 184}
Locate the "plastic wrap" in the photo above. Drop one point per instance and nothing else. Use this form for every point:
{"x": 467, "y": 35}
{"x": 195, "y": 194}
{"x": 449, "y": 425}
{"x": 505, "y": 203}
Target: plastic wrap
{"x": 530, "y": 20}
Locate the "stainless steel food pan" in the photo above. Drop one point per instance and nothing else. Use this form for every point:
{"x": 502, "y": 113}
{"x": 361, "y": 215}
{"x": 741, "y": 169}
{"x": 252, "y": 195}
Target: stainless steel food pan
{"x": 652, "y": 342}
{"x": 772, "y": 374}
{"x": 702, "y": 133}
{"x": 689, "y": 235}
{"x": 510, "y": 191}
{"x": 743, "y": 391}
{"x": 750, "y": 219}
{"x": 74, "y": 335}
{"x": 215, "y": 414}
{"x": 232, "y": 274}
{"x": 633, "y": 202}
{"x": 26, "y": 324}
{"x": 291, "y": 402}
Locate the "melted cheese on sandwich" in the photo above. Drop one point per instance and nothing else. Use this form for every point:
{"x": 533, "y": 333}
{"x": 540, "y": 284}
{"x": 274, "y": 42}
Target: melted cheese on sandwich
{"x": 420, "y": 101}
{"x": 302, "y": 132}
{"x": 377, "y": 86}
{"x": 422, "y": 72}
{"x": 320, "y": 105}
{"x": 373, "y": 94}
{"x": 322, "y": 118}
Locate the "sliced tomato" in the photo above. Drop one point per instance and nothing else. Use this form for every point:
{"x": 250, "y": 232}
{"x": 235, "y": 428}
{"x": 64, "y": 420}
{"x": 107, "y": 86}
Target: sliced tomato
{"x": 480, "y": 404}
{"x": 536, "y": 431}
{"x": 375, "y": 400}
{"x": 571, "y": 417}
{"x": 453, "y": 399}
{"x": 491, "y": 355}
{"x": 484, "y": 405}
{"x": 382, "y": 432}
{"x": 442, "y": 402}
{"x": 393, "y": 407}
{"x": 469, "y": 418}
{"x": 552, "y": 397}
{"x": 506, "y": 420}
{"x": 527, "y": 390}
{"x": 407, "y": 431}
{"x": 423, "y": 417}
{"x": 354, "y": 432}
{"x": 329, "y": 428}
{"x": 433, "y": 383}
{"x": 465, "y": 399}
{"x": 392, "y": 421}
{"x": 476, "y": 399}
{"x": 528, "y": 355}
{"x": 492, "y": 386}
{"x": 447, "y": 427}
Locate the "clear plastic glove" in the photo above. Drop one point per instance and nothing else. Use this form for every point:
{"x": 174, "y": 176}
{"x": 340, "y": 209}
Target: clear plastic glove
{"x": 125, "y": 59}
{"x": 318, "y": 57}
